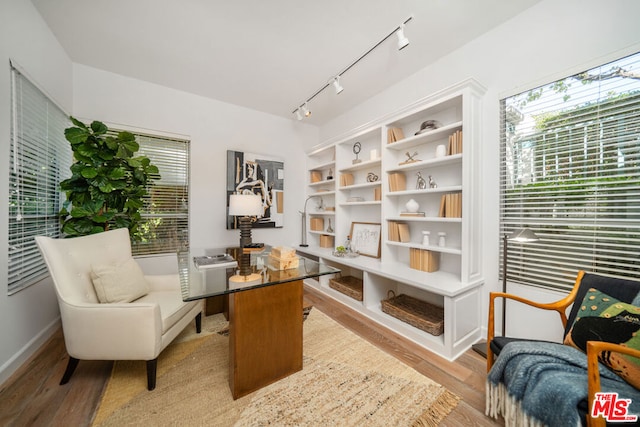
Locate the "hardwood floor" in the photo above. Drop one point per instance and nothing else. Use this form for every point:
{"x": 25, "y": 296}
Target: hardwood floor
{"x": 33, "y": 397}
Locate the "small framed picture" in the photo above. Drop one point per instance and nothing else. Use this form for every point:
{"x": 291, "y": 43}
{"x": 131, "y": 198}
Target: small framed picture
{"x": 365, "y": 238}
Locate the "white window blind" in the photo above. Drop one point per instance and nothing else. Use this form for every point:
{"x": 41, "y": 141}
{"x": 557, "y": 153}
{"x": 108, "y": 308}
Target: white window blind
{"x": 39, "y": 159}
{"x": 570, "y": 171}
{"x": 166, "y": 207}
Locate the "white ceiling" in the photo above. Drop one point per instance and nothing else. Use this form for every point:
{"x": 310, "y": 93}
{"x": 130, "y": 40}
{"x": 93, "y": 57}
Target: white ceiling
{"x": 269, "y": 55}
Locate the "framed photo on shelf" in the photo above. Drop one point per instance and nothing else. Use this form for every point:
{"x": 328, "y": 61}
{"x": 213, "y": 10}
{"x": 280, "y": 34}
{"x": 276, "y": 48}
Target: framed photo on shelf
{"x": 365, "y": 238}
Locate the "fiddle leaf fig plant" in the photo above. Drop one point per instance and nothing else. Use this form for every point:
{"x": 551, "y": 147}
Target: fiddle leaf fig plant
{"x": 108, "y": 181}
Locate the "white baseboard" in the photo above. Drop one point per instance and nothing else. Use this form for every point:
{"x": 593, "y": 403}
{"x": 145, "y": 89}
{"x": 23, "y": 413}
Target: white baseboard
{"x": 22, "y": 356}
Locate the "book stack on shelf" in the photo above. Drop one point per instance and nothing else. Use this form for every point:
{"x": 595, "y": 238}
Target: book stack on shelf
{"x": 316, "y": 224}
{"x": 455, "y": 143}
{"x": 316, "y": 176}
{"x": 399, "y": 232}
{"x": 346, "y": 179}
{"x": 424, "y": 260}
{"x": 394, "y": 134}
{"x": 451, "y": 205}
{"x": 397, "y": 182}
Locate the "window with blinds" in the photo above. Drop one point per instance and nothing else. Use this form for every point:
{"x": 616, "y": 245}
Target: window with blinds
{"x": 166, "y": 207}
{"x": 570, "y": 171}
{"x": 39, "y": 158}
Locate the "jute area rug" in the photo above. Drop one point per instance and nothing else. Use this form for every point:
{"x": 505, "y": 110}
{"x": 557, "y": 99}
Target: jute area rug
{"x": 346, "y": 381}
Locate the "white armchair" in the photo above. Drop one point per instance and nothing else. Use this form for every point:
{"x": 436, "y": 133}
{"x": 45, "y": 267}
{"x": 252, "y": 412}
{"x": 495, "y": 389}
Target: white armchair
{"x": 136, "y": 330}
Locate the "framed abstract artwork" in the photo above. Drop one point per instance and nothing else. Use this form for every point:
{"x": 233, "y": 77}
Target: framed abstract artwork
{"x": 249, "y": 173}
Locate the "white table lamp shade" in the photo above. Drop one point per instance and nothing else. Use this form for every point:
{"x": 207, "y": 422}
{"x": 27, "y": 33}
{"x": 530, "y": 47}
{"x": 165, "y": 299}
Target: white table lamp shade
{"x": 245, "y": 205}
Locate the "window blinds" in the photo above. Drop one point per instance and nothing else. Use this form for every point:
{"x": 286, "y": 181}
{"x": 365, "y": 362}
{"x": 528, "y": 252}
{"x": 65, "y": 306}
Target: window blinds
{"x": 166, "y": 206}
{"x": 570, "y": 171}
{"x": 39, "y": 158}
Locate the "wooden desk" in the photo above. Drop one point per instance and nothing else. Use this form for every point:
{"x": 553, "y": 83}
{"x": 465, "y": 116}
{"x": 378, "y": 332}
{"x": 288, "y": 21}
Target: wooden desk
{"x": 265, "y": 342}
{"x": 265, "y": 316}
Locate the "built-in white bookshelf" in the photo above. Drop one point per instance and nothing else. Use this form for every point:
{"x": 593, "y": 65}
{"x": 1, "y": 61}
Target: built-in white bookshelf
{"x": 364, "y": 189}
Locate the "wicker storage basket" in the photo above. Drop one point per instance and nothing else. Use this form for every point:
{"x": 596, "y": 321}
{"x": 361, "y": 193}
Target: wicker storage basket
{"x": 348, "y": 285}
{"x": 417, "y": 313}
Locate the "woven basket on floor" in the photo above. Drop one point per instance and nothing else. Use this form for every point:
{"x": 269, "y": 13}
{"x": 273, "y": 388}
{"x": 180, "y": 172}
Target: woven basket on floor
{"x": 417, "y": 313}
{"x": 348, "y": 285}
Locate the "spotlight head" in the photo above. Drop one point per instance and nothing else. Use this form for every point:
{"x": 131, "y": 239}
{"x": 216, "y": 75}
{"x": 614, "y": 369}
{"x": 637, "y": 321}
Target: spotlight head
{"x": 336, "y": 84}
{"x": 305, "y": 110}
{"x": 403, "y": 41}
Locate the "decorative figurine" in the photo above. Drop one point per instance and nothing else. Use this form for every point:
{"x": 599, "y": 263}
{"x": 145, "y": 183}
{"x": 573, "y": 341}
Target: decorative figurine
{"x": 372, "y": 177}
{"x": 320, "y": 205}
{"x": 421, "y": 184}
{"x": 330, "y": 176}
{"x": 432, "y": 183}
{"x": 357, "y": 147}
{"x": 410, "y": 158}
{"x": 329, "y": 227}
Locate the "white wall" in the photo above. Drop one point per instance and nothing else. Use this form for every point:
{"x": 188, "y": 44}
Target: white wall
{"x": 550, "y": 40}
{"x": 213, "y": 127}
{"x": 28, "y": 317}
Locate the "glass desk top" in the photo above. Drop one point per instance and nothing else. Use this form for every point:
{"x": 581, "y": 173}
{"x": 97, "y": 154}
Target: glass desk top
{"x": 252, "y": 271}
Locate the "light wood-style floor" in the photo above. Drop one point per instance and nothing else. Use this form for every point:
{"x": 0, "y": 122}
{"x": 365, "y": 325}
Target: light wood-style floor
{"x": 32, "y": 397}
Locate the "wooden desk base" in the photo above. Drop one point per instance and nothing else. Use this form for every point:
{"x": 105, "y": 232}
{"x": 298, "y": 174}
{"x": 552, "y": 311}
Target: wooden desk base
{"x": 265, "y": 336}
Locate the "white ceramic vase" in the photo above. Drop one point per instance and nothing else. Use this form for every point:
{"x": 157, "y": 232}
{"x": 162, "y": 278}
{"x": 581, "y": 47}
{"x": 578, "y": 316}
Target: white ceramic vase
{"x": 412, "y": 206}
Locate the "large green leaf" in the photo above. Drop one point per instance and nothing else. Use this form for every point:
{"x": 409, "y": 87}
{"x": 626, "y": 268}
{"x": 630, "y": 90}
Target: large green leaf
{"x": 99, "y": 128}
{"x": 76, "y": 135}
{"x": 89, "y": 172}
{"x": 117, "y": 173}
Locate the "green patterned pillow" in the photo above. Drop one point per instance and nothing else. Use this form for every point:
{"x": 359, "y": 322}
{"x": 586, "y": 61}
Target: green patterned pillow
{"x": 604, "y": 318}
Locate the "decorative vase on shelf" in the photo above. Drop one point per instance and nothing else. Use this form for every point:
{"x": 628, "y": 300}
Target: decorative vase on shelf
{"x": 442, "y": 239}
{"x": 412, "y": 206}
{"x": 425, "y": 238}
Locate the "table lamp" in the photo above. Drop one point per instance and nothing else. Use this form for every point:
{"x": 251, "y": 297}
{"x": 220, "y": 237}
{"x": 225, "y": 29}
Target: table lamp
{"x": 245, "y": 206}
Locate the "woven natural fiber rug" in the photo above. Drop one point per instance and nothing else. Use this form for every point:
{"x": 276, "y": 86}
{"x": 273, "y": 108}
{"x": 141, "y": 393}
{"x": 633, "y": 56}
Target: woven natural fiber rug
{"x": 345, "y": 381}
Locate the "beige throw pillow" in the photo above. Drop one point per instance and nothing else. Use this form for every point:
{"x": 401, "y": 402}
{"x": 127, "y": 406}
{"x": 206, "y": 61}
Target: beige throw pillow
{"x": 122, "y": 282}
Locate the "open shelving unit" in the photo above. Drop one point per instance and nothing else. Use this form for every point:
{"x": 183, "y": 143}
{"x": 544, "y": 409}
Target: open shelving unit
{"x": 449, "y": 198}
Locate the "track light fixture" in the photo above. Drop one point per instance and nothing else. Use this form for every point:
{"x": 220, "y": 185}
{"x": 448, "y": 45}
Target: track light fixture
{"x": 305, "y": 110}
{"x": 403, "y": 42}
{"x": 336, "y": 84}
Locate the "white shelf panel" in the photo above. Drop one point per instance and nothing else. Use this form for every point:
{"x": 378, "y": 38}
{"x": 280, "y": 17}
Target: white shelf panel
{"x": 362, "y": 165}
{"x": 446, "y": 250}
{"x": 323, "y": 213}
{"x": 426, "y": 137}
{"x": 422, "y": 219}
{"x": 356, "y": 186}
{"x": 320, "y": 183}
{"x": 439, "y": 161}
{"x": 365, "y": 203}
{"x": 323, "y": 193}
{"x": 448, "y": 189}
{"x": 323, "y": 166}
{"x": 321, "y": 232}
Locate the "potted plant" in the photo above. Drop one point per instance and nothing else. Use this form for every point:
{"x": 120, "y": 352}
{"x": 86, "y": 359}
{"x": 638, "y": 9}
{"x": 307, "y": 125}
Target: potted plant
{"x": 108, "y": 181}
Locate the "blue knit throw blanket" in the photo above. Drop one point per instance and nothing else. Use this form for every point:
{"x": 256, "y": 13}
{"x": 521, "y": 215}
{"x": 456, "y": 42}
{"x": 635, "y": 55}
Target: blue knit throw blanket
{"x": 539, "y": 383}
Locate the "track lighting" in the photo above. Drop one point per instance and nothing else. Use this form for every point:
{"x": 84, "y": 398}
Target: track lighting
{"x": 403, "y": 41}
{"x": 336, "y": 84}
{"x": 305, "y": 110}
